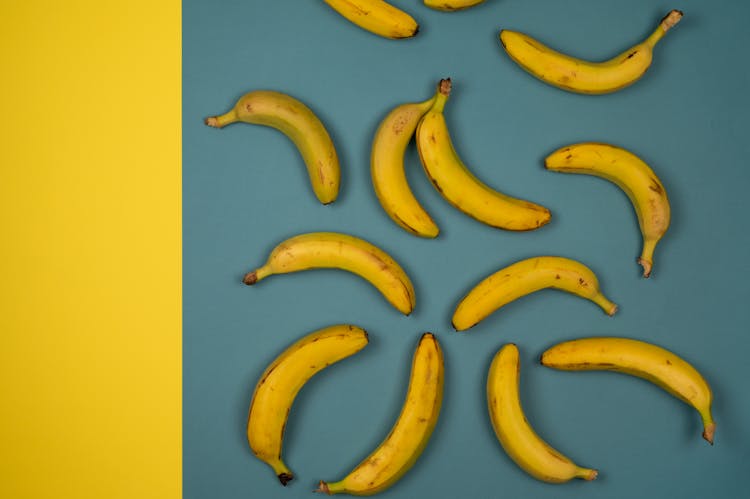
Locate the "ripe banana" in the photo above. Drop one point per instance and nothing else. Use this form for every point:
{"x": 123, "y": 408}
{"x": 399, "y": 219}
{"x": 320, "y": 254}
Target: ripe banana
{"x": 632, "y": 175}
{"x": 280, "y": 382}
{"x": 387, "y": 169}
{"x": 451, "y": 5}
{"x": 517, "y": 437}
{"x": 459, "y": 186}
{"x": 637, "y": 358}
{"x": 525, "y": 277}
{"x": 299, "y": 123}
{"x": 341, "y": 251}
{"x": 377, "y": 16}
{"x": 409, "y": 436}
{"x": 581, "y": 76}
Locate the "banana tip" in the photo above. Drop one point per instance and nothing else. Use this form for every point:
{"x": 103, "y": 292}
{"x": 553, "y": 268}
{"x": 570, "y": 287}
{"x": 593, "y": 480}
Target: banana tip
{"x": 444, "y": 87}
{"x": 671, "y": 19}
{"x": 250, "y": 279}
{"x": 285, "y": 478}
{"x": 646, "y": 267}
{"x": 590, "y": 475}
{"x": 612, "y": 310}
{"x": 708, "y": 432}
{"x": 322, "y": 487}
{"x": 212, "y": 121}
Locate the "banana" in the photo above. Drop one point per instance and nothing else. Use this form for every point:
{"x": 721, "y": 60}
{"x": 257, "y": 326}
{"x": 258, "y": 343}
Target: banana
{"x": 409, "y": 436}
{"x": 517, "y": 437}
{"x": 451, "y": 5}
{"x": 581, "y": 76}
{"x": 341, "y": 251}
{"x": 525, "y": 277}
{"x": 280, "y": 382}
{"x": 633, "y": 176}
{"x": 641, "y": 359}
{"x": 295, "y": 120}
{"x": 459, "y": 186}
{"x": 377, "y": 16}
{"x": 387, "y": 169}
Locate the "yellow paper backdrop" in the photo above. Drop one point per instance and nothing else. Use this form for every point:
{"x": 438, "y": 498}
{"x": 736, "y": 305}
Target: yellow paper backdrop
{"x": 90, "y": 305}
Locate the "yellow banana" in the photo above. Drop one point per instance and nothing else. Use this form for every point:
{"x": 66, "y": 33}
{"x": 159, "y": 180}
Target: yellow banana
{"x": 451, "y": 5}
{"x": 299, "y": 123}
{"x": 459, "y": 186}
{"x": 377, "y": 16}
{"x": 633, "y": 176}
{"x": 517, "y": 437}
{"x": 581, "y": 76}
{"x": 525, "y": 277}
{"x": 409, "y": 436}
{"x": 641, "y": 359}
{"x": 341, "y": 251}
{"x": 283, "y": 378}
{"x": 387, "y": 169}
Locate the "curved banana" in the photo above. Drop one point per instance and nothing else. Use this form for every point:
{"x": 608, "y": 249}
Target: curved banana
{"x": 387, "y": 169}
{"x": 525, "y": 277}
{"x": 283, "y": 378}
{"x": 459, "y": 186}
{"x": 581, "y": 76}
{"x": 632, "y": 175}
{"x": 341, "y": 251}
{"x": 641, "y": 359}
{"x": 451, "y": 5}
{"x": 409, "y": 436}
{"x": 517, "y": 437}
{"x": 377, "y": 16}
{"x": 299, "y": 123}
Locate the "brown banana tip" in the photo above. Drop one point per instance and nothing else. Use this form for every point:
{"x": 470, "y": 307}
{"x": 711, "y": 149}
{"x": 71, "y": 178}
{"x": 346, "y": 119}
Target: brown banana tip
{"x": 285, "y": 478}
{"x": 250, "y": 278}
{"x": 671, "y": 19}
{"x": 445, "y": 86}
{"x": 646, "y": 267}
{"x": 322, "y": 487}
{"x": 416, "y": 31}
{"x": 367, "y": 336}
{"x": 708, "y": 432}
{"x": 212, "y": 122}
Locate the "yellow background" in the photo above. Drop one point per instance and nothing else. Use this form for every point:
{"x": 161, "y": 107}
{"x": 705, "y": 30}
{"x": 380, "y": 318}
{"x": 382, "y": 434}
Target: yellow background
{"x": 90, "y": 338}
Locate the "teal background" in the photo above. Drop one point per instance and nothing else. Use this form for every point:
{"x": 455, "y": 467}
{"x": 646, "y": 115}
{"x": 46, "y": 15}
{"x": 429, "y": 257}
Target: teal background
{"x": 245, "y": 190}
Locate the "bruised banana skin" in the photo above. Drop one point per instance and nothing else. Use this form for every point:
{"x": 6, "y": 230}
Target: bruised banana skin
{"x": 387, "y": 169}
{"x": 295, "y": 120}
{"x": 281, "y": 381}
{"x": 586, "y": 77}
{"x": 518, "y": 438}
{"x": 525, "y": 277}
{"x": 633, "y": 176}
{"x": 411, "y": 432}
{"x": 641, "y": 359}
{"x": 451, "y": 5}
{"x": 317, "y": 250}
{"x": 459, "y": 186}
{"x": 377, "y": 16}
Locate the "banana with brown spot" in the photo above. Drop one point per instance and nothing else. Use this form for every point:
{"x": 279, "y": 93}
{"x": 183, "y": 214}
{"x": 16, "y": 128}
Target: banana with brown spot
{"x": 318, "y": 250}
{"x": 297, "y": 121}
{"x": 411, "y": 432}
{"x": 641, "y": 359}
{"x": 377, "y": 16}
{"x": 629, "y": 173}
{"x": 524, "y": 277}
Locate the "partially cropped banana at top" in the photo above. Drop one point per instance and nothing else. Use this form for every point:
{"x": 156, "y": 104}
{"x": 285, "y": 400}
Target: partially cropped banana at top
{"x": 409, "y": 436}
{"x": 524, "y": 277}
{"x": 451, "y": 5}
{"x": 283, "y": 378}
{"x": 377, "y": 16}
{"x": 581, "y": 76}
{"x": 295, "y": 120}
{"x": 518, "y": 438}
{"x": 387, "y": 169}
{"x": 641, "y": 359}
{"x": 341, "y": 251}
{"x": 459, "y": 186}
{"x": 632, "y": 175}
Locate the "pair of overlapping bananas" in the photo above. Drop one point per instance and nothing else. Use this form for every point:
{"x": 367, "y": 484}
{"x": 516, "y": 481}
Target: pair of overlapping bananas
{"x": 281, "y": 381}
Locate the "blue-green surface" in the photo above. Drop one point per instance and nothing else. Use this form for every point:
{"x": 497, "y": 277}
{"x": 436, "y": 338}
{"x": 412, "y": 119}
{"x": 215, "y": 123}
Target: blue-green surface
{"x": 245, "y": 190}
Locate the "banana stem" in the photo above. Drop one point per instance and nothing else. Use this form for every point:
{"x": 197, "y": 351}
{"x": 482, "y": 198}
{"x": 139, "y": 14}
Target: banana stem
{"x": 606, "y": 305}
{"x": 646, "y": 260}
{"x": 222, "y": 120}
{"x": 442, "y": 94}
{"x": 256, "y": 275}
{"x": 587, "y": 474}
{"x": 330, "y": 488}
{"x": 665, "y": 25}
